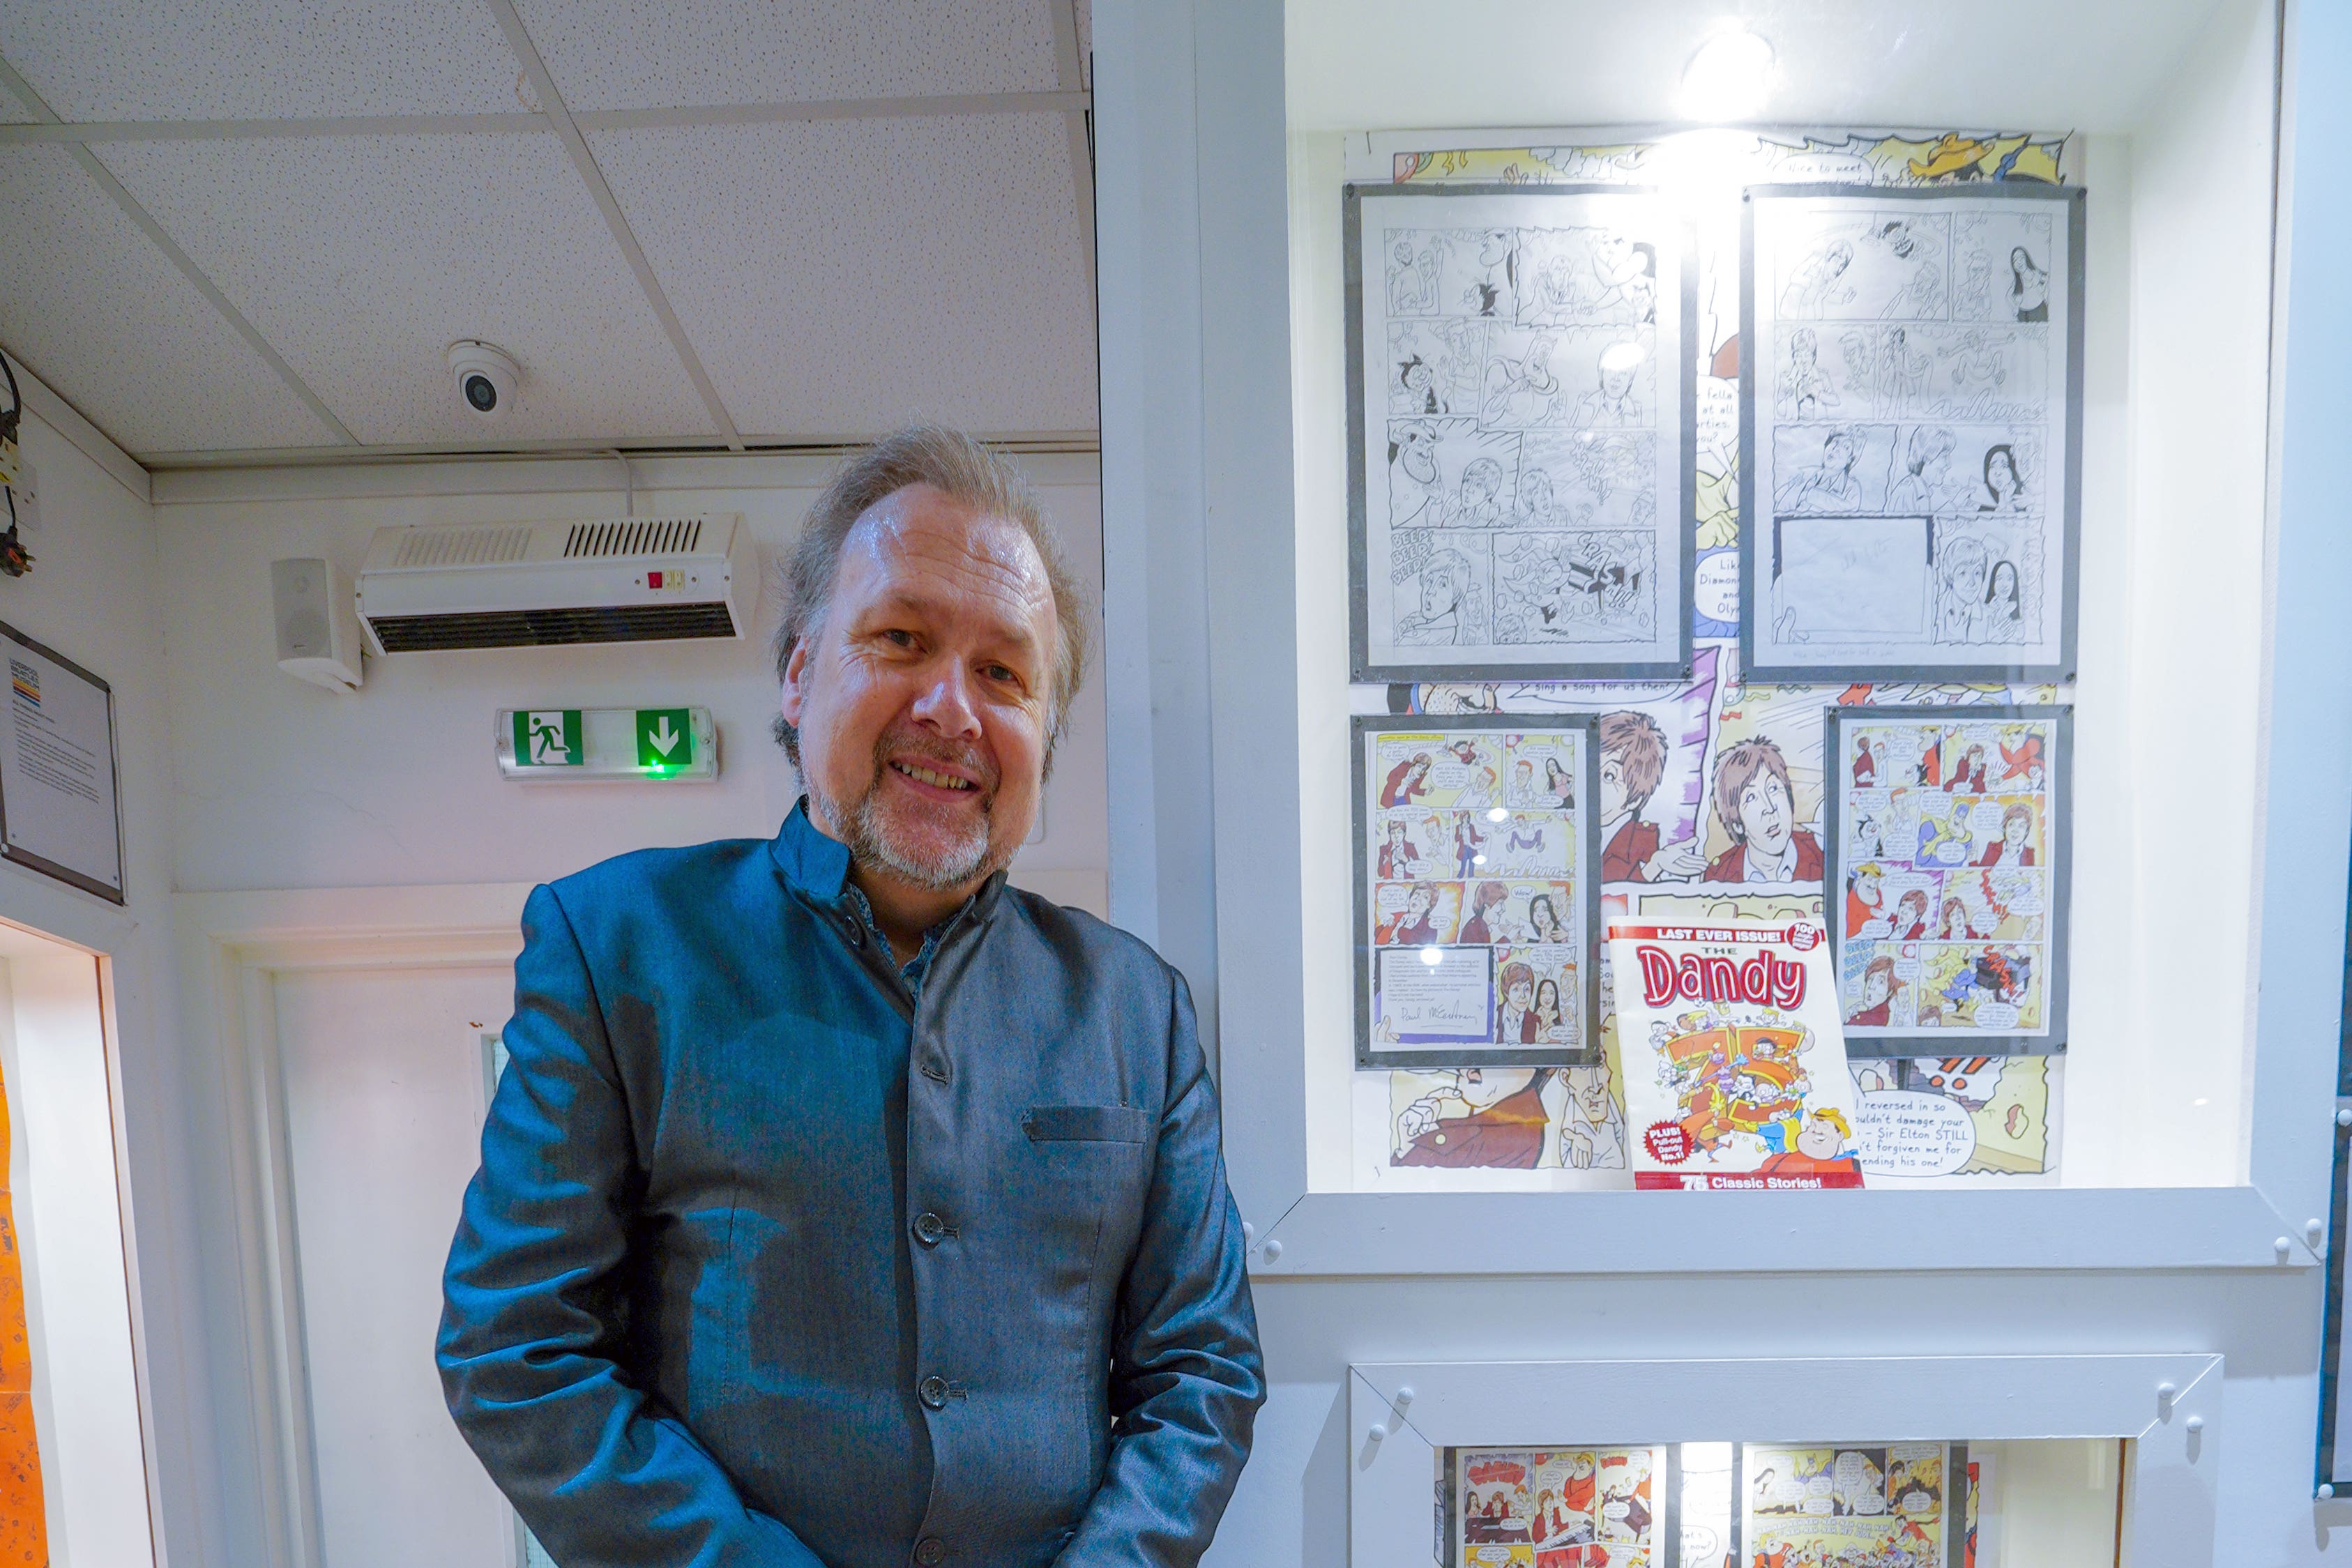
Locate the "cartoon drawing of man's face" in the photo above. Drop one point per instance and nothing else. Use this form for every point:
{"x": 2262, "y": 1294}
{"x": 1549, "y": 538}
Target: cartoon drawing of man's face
{"x": 1616, "y": 382}
{"x": 1839, "y": 451}
{"x": 1767, "y": 821}
{"x": 1876, "y": 986}
{"x": 1521, "y": 994}
{"x": 1869, "y": 884}
{"x": 1613, "y": 784}
{"x": 1590, "y": 1088}
{"x": 1439, "y": 591}
{"x": 2013, "y": 832}
{"x": 1417, "y": 453}
{"x": 1481, "y": 1087}
{"x": 1819, "y": 1137}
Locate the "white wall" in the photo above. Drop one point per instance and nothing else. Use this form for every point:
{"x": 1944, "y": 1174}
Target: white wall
{"x": 280, "y": 784}
{"x": 92, "y": 596}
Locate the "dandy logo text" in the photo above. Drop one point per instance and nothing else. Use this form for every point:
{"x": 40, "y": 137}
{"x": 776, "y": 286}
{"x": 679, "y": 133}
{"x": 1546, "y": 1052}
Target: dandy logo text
{"x": 1765, "y": 980}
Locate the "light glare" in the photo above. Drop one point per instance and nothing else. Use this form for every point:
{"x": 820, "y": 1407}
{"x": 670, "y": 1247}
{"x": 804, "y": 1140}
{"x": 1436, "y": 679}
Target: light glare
{"x": 1728, "y": 76}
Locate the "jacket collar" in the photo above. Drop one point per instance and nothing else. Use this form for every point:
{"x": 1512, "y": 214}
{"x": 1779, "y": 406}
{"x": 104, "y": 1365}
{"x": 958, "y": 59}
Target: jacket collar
{"x": 814, "y": 865}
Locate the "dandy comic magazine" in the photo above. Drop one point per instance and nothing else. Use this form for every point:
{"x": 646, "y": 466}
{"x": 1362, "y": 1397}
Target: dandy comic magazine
{"x": 1734, "y": 1057}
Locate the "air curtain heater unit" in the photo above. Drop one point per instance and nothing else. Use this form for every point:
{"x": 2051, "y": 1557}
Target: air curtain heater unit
{"x": 535, "y": 585}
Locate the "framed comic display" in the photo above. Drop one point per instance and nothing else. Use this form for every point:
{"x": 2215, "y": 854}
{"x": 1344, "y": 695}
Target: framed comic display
{"x": 1949, "y": 847}
{"x": 1522, "y": 429}
{"x": 1477, "y": 902}
{"x": 1911, "y": 472}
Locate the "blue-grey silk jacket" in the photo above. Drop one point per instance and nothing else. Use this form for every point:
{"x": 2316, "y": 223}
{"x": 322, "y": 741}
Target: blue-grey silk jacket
{"x": 767, "y": 1265}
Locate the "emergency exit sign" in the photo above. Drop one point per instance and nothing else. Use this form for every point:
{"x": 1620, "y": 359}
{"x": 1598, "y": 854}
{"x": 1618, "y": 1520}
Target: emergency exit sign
{"x": 577, "y": 745}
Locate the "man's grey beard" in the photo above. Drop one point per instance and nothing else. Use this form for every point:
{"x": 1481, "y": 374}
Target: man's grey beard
{"x": 861, "y": 827}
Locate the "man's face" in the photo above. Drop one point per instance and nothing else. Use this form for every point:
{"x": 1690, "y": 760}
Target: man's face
{"x": 1616, "y": 384}
{"x": 1437, "y": 593}
{"x": 1875, "y": 987}
{"x": 1613, "y": 784}
{"x": 922, "y": 698}
{"x": 1591, "y": 1090}
{"x": 1819, "y": 1139}
{"x": 1483, "y": 1086}
{"x": 1764, "y": 814}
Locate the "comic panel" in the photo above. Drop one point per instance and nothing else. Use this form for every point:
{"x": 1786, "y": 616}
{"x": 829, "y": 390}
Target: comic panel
{"x": 1443, "y": 588}
{"x": 1627, "y": 1493}
{"x": 1996, "y": 989}
{"x": 1541, "y": 770}
{"x": 1575, "y": 588}
{"x": 1766, "y": 793}
{"x": 1451, "y": 272}
{"x": 1415, "y": 913}
{"x": 1529, "y": 843}
{"x": 1853, "y": 580}
{"x": 1561, "y": 378}
{"x": 1517, "y": 912}
{"x": 1435, "y": 368}
{"x": 1433, "y": 769}
{"x": 1886, "y": 264}
{"x": 1601, "y": 480}
{"x": 1880, "y": 981}
{"x": 1535, "y": 986}
{"x": 2006, "y": 265}
{"x": 1587, "y": 276}
{"x": 1495, "y": 1507}
{"x": 1911, "y": 372}
{"x": 1449, "y": 473}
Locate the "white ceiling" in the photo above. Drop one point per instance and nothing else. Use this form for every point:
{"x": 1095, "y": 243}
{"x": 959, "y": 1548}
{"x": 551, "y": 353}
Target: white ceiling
{"x": 246, "y": 227}
{"x": 2057, "y": 64}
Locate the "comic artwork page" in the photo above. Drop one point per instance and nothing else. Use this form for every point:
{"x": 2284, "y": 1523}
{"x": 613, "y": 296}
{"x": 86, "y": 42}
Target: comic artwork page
{"x": 1970, "y": 1120}
{"x": 1716, "y": 789}
{"x": 1910, "y": 444}
{"x": 1475, "y": 947}
{"x": 1839, "y": 1507}
{"x": 1951, "y": 884}
{"x": 1735, "y": 1073}
{"x": 1520, "y": 378}
{"x": 1577, "y": 1508}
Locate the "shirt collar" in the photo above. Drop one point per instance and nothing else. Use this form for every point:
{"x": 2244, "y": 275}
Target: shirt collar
{"x": 813, "y": 864}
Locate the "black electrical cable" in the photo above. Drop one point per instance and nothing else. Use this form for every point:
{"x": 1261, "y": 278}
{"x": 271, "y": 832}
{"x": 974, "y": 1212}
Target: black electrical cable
{"x": 15, "y": 558}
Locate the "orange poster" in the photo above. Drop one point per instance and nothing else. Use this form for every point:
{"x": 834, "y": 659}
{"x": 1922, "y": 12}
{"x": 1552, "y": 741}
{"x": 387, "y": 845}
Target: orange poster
{"x": 24, "y": 1527}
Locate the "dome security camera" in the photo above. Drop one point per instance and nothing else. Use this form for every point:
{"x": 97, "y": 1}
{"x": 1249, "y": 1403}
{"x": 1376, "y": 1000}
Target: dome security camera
{"x": 485, "y": 377}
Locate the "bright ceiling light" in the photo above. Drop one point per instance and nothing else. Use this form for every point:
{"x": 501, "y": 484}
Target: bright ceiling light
{"x": 1728, "y": 76}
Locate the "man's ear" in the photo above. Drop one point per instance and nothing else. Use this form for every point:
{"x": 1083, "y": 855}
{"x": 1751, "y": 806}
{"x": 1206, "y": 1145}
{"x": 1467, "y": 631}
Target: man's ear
{"x": 794, "y": 694}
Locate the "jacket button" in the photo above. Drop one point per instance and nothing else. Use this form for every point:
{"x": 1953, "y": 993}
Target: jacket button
{"x": 929, "y": 1229}
{"x": 933, "y": 1391}
{"x": 931, "y": 1550}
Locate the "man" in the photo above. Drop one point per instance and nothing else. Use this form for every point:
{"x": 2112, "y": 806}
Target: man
{"x": 842, "y": 1205}
{"x": 1632, "y": 764}
{"x": 1504, "y": 1128}
{"x": 1753, "y": 801}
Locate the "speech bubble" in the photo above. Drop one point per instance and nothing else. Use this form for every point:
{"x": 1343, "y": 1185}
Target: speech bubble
{"x": 1389, "y": 899}
{"x": 1448, "y": 776}
{"x": 1701, "y": 1543}
{"x": 1715, "y": 586}
{"x": 1907, "y": 1133}
{"x": 1996, "y": 1015}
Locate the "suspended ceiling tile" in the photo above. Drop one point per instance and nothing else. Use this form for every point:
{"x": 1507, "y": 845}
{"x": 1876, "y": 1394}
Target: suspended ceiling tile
{"x": 260, "y": 60}
{"x": 624, "y": 54}
{"x": 840, "y": 276}
{"x": 95, "y": 310}
{"x": 363, "y": 259}
{"x": 14, "y": 111}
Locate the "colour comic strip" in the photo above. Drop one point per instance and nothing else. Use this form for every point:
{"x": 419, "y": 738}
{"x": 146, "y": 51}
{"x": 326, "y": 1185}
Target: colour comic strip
{"x": 1576, "y": 1507}
{"x": 1477, "y": 906}
{"x": 1839, "y": 1507}
{"x": 1714, "y": 786}
{"x": 1947, "y": 835}
{"x": 1519, "y": 384}
{"x": 1911, "y": 441}
{"x": 1735, "y": 1074}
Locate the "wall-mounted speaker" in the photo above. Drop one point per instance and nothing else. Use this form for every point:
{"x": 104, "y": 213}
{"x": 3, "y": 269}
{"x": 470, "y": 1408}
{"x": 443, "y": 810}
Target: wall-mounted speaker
{"x": 318, "y": 625}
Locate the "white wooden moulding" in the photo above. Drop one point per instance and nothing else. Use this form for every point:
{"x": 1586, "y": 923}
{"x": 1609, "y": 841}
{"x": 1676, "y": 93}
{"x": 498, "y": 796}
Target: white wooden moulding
{"x": 232, "y": 946}
{"x": 1400, "y": 1415}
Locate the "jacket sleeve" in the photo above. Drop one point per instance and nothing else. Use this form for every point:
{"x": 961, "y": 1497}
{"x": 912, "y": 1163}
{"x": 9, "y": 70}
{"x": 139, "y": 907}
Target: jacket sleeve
{"x": 533, "y": 1304}
{"x": 1186, "y": 1377}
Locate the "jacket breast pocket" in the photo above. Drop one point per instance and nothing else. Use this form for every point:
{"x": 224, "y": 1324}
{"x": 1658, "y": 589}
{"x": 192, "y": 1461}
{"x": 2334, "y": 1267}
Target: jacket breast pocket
{"x": 1086, "y": 1124}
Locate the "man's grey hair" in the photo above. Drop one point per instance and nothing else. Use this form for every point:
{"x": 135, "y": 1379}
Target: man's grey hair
{"x": 954, "y": 463}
